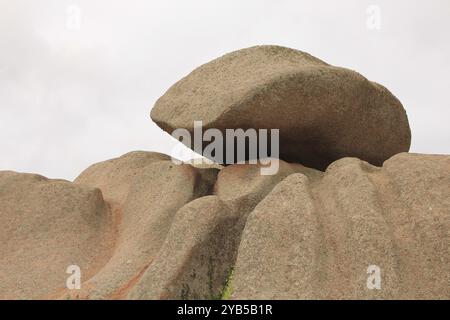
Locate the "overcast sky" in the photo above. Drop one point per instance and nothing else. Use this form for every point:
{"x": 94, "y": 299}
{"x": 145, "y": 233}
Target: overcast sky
{"x": 78, "y": 77}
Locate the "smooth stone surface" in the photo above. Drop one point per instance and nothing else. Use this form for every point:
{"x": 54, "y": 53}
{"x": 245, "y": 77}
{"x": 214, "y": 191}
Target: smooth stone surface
{"x": 323, "y": 112}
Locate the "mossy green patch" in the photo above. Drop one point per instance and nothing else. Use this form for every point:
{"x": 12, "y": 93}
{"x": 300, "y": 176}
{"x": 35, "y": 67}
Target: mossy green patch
{"x": 228, "y": 288}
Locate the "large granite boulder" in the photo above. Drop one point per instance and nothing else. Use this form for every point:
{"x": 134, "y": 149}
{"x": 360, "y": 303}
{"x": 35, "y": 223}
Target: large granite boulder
{"x": 325, "y": 239}
{"x": 323, "y": 112}
{"x": 46, "y": 226}
{"x": 149, "y": 189}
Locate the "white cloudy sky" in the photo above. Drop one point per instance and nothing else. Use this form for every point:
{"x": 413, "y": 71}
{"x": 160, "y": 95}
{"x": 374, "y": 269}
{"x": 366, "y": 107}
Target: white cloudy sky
{"x": 70, "y": 97}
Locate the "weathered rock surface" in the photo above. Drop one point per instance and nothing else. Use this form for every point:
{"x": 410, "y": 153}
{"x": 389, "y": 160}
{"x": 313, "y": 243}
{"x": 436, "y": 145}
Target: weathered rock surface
{"x": 153, "y": 192}
{"x": 114, "y": 177}
{"x": 179, "y": 231}
{"x": 324, "y": 112}
{"x": 197, "y": 255}
{"x": 316, "y": 240}
{"x": 201, "y": 247}
{"x": 45, "y": 227}
{"x": 242, "y": 187}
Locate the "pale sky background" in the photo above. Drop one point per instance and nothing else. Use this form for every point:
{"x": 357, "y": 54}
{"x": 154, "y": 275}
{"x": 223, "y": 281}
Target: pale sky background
{"x": 70, "y": 97}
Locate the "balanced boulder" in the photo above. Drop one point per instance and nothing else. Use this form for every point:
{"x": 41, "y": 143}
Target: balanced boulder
{"x": 323, "y": 112}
